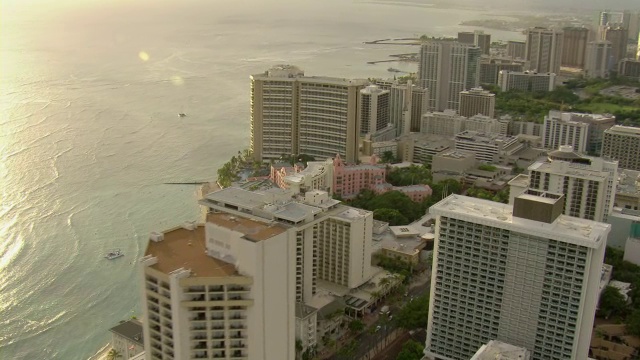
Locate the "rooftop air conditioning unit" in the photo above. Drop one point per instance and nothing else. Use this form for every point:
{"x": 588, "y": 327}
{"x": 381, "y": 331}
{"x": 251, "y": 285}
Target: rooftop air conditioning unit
{"x": 189, "y": 225}
{"x": 156, "y": 236}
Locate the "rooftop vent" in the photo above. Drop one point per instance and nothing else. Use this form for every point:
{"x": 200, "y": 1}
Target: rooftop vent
{"x": 156, "y": 236}
{"x": 189, "y": 225}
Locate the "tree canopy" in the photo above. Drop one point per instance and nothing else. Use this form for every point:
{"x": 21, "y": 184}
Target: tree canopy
{"x": 411, "y": 350}
{"x": 612, "y": 303}
{"x": 415, "y": 314}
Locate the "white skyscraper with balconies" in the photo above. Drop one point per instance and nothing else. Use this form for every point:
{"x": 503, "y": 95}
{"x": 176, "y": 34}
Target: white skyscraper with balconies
{"x": 523, "y": 275}
{"x": 236, "y": 287}
{"x": 583, "y": 132}
{"x": 295, "y": 114}
{"x": 211, "y": 290}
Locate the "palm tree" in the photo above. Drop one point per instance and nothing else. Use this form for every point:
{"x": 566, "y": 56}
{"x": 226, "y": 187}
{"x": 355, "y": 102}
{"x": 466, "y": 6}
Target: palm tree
{"x": 113, "y": 354}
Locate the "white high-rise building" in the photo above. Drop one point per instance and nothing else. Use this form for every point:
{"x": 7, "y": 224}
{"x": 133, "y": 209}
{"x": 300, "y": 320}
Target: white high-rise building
{"x": 588, "y": 183}
{"x": 373, "y": 109}
{"x": 584, "y": 132}
{"x": 477, "y": 101}
{"x": 408, "y": 102}
{"x": 622, "y": 143}
{"x": 446, "y": 68}
{"x": 295, "y": 114}
{"x": 209, "y": 291}
{"x": 523, "y": 275}
{"x": 544, "y": 49}
{"x": 598, "y": 62}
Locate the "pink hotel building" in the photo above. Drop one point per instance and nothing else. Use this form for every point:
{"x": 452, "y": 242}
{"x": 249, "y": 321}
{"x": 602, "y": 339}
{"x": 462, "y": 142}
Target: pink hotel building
{"x": 348, "y": 180}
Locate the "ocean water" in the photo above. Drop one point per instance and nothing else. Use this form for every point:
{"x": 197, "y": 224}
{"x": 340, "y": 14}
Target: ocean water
{"x": 89, "y": 134}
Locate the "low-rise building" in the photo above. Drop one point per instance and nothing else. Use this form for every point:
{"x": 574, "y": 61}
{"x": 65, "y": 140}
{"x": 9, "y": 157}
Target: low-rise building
{"x": 488, "y": 147}
{"x": 628, "y": 190}
{"x": 420, "y": 148}
{"x": 629, "y": 68}
{"x": 452, "y": 165}
{"x": 127, "y": 339}
{"x": 526, "y": 81}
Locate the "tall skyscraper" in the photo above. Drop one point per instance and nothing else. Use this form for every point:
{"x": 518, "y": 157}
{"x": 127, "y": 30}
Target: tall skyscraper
{"x": 619, "y": 38}
{"x": 588, "y": 183}
{"x": 523, "y": 274}
{"x": 446, "y": 68}
{"x": 295, "y": 114}
{"x": 373, "y": 109}
{"x": 477, "y": 38}
{"x": 477, "y": 101}
{"x": 584, "y": 132}
{"x": 598, "y": 56}
{"x": 517, "y": 49}
{"x": 574, "y": 46}
{"x": 419, "y": 106}
{"x": 544, "y": 49}
{"x": 210, "y": 293}
{"x": 622, "y": 143}
{"x": 407, "y": 103}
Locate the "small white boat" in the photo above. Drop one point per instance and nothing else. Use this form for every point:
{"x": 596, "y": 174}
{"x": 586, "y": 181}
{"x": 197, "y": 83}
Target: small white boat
{"x": 114, "y": 254}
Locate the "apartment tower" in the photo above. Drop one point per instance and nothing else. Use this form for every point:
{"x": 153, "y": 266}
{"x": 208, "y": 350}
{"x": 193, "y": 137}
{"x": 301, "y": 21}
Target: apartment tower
{"x": 574, "y": 46}
{"x": 476, "y": 38}
{"x": 526, "y": 81}
{"x": 588, "y": 183}
{"x": 296, "y": 114}
{"x": 523, "y": 275}
{"x": 517, "y": 49}
{"x": 583, "y": 132}
{"x": 619, "y": 38}
{"x": 598, "y": 64}
{"x": 477, "y": 101}
{"x": 210, "y": 291}
{"x": 622, "y": 143}
{"x": 373, "y": 109}
{"x": 446, "y": 68}
{"x": 544, "y": 49}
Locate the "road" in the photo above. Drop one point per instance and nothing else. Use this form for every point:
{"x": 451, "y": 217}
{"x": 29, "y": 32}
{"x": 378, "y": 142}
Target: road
{"x": 371, "y": 345}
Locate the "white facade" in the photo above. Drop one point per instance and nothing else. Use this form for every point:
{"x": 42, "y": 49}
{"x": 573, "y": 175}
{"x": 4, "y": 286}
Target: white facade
{"x": 588, "y": 183}
{"x": 446, "y": 68}
{"x": 597, "y": 63}
{"x": 445, "y": 123}
{"x": 210, "y": 291}
{"x": 622, "y": 143}
{"x": 498, "y": 276}
{"x": 560, "y": 129}
{"x": 487, "y": 147}
{"x": 296, "y": 114}
{"x": 526, "y": 81}
{"x": 497, "y": 350}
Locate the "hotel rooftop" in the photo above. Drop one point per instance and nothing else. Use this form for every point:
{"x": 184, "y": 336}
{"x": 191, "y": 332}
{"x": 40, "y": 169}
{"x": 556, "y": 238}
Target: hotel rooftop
{"x": 186, "y": 249}
{"x": 564, "y": 228}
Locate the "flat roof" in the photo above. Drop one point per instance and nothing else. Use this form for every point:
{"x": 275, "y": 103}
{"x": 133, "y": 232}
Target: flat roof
{"x": 499, "y": 350}
{"x": 565, "y": 228}
{"x": 252, "y": 230}
{"x": 182, "y": 248}
{"x": 521, "y": 180}
{"x": 131, "y": 330}
{"x": 236, "y": 196}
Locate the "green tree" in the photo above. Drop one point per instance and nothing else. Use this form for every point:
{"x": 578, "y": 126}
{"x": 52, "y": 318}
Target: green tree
{"x": 633, "y": 323}
{"x": 113, "y": 354}
{"x": 415, "y": 314}
{"x": 387, "y": 157}
{"x": 356, "y": 326}
{"x": 411, "y": 350}
{"x": 612, "y": 303}
{"x": 392, "y": 216}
